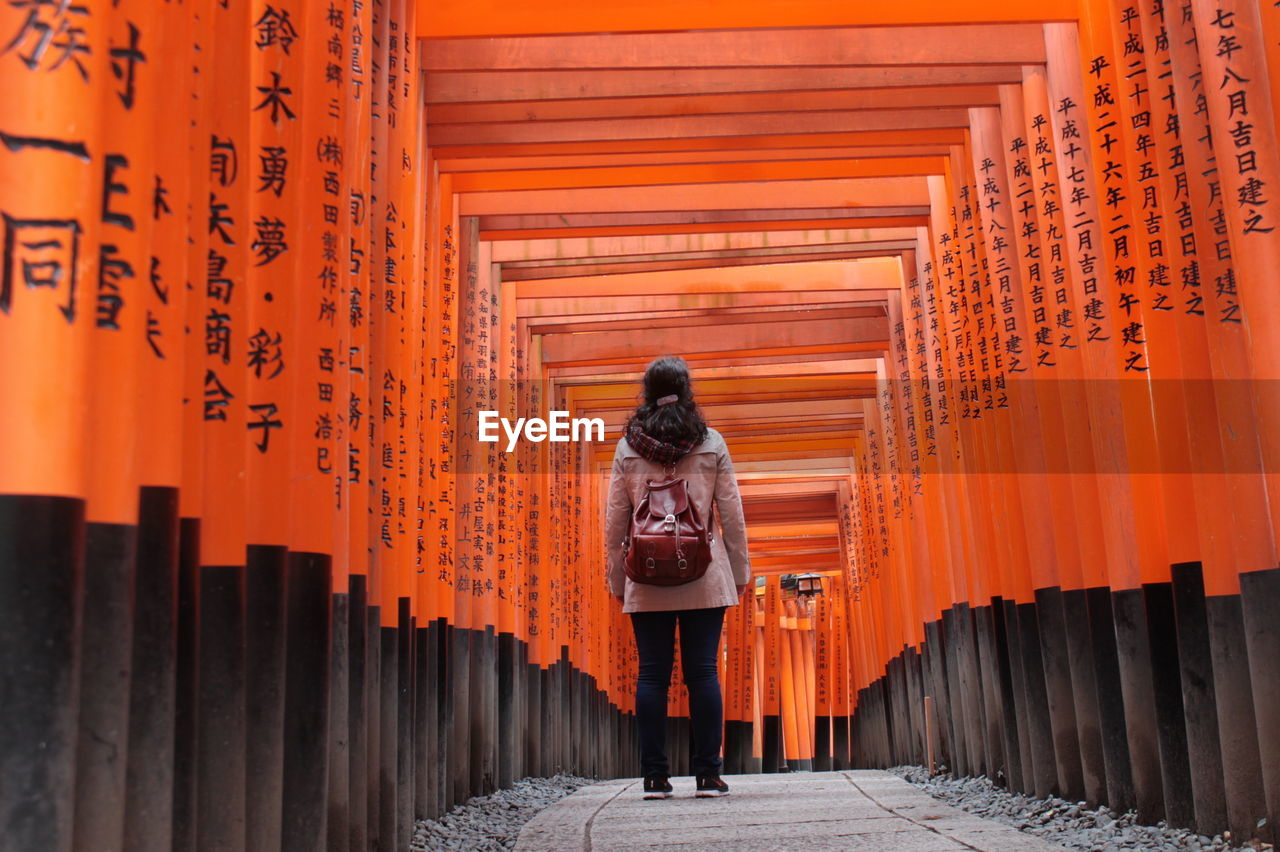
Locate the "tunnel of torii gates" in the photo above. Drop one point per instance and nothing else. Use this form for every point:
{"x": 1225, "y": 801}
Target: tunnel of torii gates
{"x": 982, "y": 295}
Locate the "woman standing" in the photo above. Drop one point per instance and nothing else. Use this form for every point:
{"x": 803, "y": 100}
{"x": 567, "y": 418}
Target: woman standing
{"x": 667, "y": 435}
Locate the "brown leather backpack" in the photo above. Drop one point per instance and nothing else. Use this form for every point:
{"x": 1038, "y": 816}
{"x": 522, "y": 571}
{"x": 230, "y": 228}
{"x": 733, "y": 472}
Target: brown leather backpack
{"x": 668, "y": 544}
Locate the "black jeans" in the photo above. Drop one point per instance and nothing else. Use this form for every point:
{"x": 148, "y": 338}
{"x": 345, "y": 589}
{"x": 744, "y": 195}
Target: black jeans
{"x": 699, "y": 645}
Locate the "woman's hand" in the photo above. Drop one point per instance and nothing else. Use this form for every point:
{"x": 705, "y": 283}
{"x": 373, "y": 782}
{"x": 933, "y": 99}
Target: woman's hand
{"x": 618, "y": 598}
{"x": 742, "y": 588}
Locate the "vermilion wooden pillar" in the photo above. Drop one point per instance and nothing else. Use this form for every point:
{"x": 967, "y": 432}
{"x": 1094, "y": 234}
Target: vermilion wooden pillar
{"x": 1232, "y": 50}
{"x": 1074, "y": 456}
{"x": 50, "y": 196}
{"x": 1091, "y": 276}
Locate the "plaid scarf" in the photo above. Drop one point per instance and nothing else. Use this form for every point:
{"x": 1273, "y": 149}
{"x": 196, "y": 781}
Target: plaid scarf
{"x": 659, "y": 452}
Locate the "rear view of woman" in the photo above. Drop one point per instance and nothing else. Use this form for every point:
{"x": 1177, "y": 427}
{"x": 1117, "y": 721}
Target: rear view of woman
{"x": 667, "y": 436}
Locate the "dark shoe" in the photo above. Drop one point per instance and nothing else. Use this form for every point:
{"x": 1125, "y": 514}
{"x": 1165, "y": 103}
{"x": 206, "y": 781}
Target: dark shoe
{"x": 657, "y": 787}
{"x": 711, "y": 785}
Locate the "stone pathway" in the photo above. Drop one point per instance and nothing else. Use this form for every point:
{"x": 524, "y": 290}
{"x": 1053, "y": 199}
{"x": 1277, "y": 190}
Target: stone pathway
{"x": 806, "y": 812}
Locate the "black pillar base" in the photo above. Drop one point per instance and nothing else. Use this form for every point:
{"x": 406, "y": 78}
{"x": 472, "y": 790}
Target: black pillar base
{"x": 41, "y": 593}
{"x": 148, "y": 824}
{"x": 305, "y": 805}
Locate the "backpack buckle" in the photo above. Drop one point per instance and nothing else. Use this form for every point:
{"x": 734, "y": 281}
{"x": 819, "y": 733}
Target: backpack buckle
{"x": 669, "y": 523}
{"x": 683, "y": 564}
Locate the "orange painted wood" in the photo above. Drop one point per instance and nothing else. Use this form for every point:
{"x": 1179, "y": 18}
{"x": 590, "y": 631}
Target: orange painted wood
{"x": 826, "y": 124}
{"x": 278, "y": 220}
{"x": 199, "y": 179}
{"x": 595, "y": 322}
{"x": 1075, "y": 452}
{"x": 921, "y": 45}
{"x": 1104, "y": 356}
{"x": 865, "y": 275}
{"x": 569, "y": 308}
{"x": 746, "y": 336}
{"x": 764, "y": 254}
{"x": 567, "y": 249}
{"x": 455, "y": 19}
{"x": 642, "y": 158}
{"x": 224, "y": 319}
{"x": 1162, "y": 324}
{"x": 665, "y": 175}
{"x": 1255, "y": 246}
{"x": 890, "y": 97}
{"x": 1023, "y": 434}
{"x": 356, "y": 164}
{"x": 380, "y": 315}
{"x": 118, "y": 365}
{"x": 508, "y": 515}
{"x": 602, "y": 230}
{"x": 791, "y": 680}
{"x": 746, "y": 143}
{"x": 766, "y": 257}
{"x": 57, "y": 184}
{"x": 854, "y": 192}
{"x": 321, "y": 345}
{"x": 162, "y": 430}
{"x": 951, "y": 404}
{"x": 1229, "y": 361}
{"x": 915, "y": 557}
{"x": 452, "y": 87}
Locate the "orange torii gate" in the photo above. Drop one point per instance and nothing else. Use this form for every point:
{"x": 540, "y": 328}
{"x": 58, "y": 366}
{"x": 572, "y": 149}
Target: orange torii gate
{"x": 986, "y": 319}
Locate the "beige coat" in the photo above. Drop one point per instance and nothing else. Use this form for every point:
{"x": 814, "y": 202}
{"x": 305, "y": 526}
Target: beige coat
{"x": 708, "y": 473}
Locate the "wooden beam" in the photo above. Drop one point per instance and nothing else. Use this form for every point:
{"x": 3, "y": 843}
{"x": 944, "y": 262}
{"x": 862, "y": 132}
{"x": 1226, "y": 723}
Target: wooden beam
{"x": 606, "y": 231}
{"x": 459, "y": 18}
{"x": 974, "y": 44}
{"x": 803, "y": 277}
{"x": 450, "y": 87}
{"x": 891, "y": 97}
{"x": 652, "y": 222}
{"x": 542, "y": 273}
{"x": 786, "y": 139}
{"x": 509, "y": 251}
{"x": 778, "y": 509}
{"x": 798, "y": 355}
{"x": 572, "y": 307}
{"x": 645, "y": 158}
{"x": 833, "y": 408}
{"x": 688, "y": 126}
{"x": 689, "y": 318}
{"x": 602, "y": 347}
{"x": 696, "y": 173}
{"x": 733, "y": 390}
{"x": 737, "y": 366}
{"x": 851, "y": 192}
{"x": 819, "y": 251}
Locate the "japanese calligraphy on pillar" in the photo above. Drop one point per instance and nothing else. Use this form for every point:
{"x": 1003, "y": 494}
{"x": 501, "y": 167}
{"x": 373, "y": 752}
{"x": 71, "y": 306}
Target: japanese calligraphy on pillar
{"x": 53, "y": 58}
{"x": 1069, "y": 125}
{"x": 124, "y": 226}
{"x": 1209, "y": 271}
{"x": 1240, "y": 103}
{"x": 229, "y": 421}
{"x": 276, "y": 71}
{"x": 1054, "y": 316}
{"x": 349, "y": 154}
{"x": 314, "y": 173}
{"x": 1128, "y": 252}
{"x": 167, "y": 270}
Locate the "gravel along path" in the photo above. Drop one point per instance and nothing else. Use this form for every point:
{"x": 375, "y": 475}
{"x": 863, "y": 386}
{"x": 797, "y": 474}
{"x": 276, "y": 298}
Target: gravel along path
{"x": 490, "y": 823}
{"x": 1069, "y": 824}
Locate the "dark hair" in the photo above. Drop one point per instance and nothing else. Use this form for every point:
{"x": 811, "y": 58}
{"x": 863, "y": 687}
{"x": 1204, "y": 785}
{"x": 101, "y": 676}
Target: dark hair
{"x": 676, "y": 421}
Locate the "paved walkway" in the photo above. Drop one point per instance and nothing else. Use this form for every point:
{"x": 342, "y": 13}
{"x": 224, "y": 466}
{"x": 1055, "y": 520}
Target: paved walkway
{"x": 806, "y": 811}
